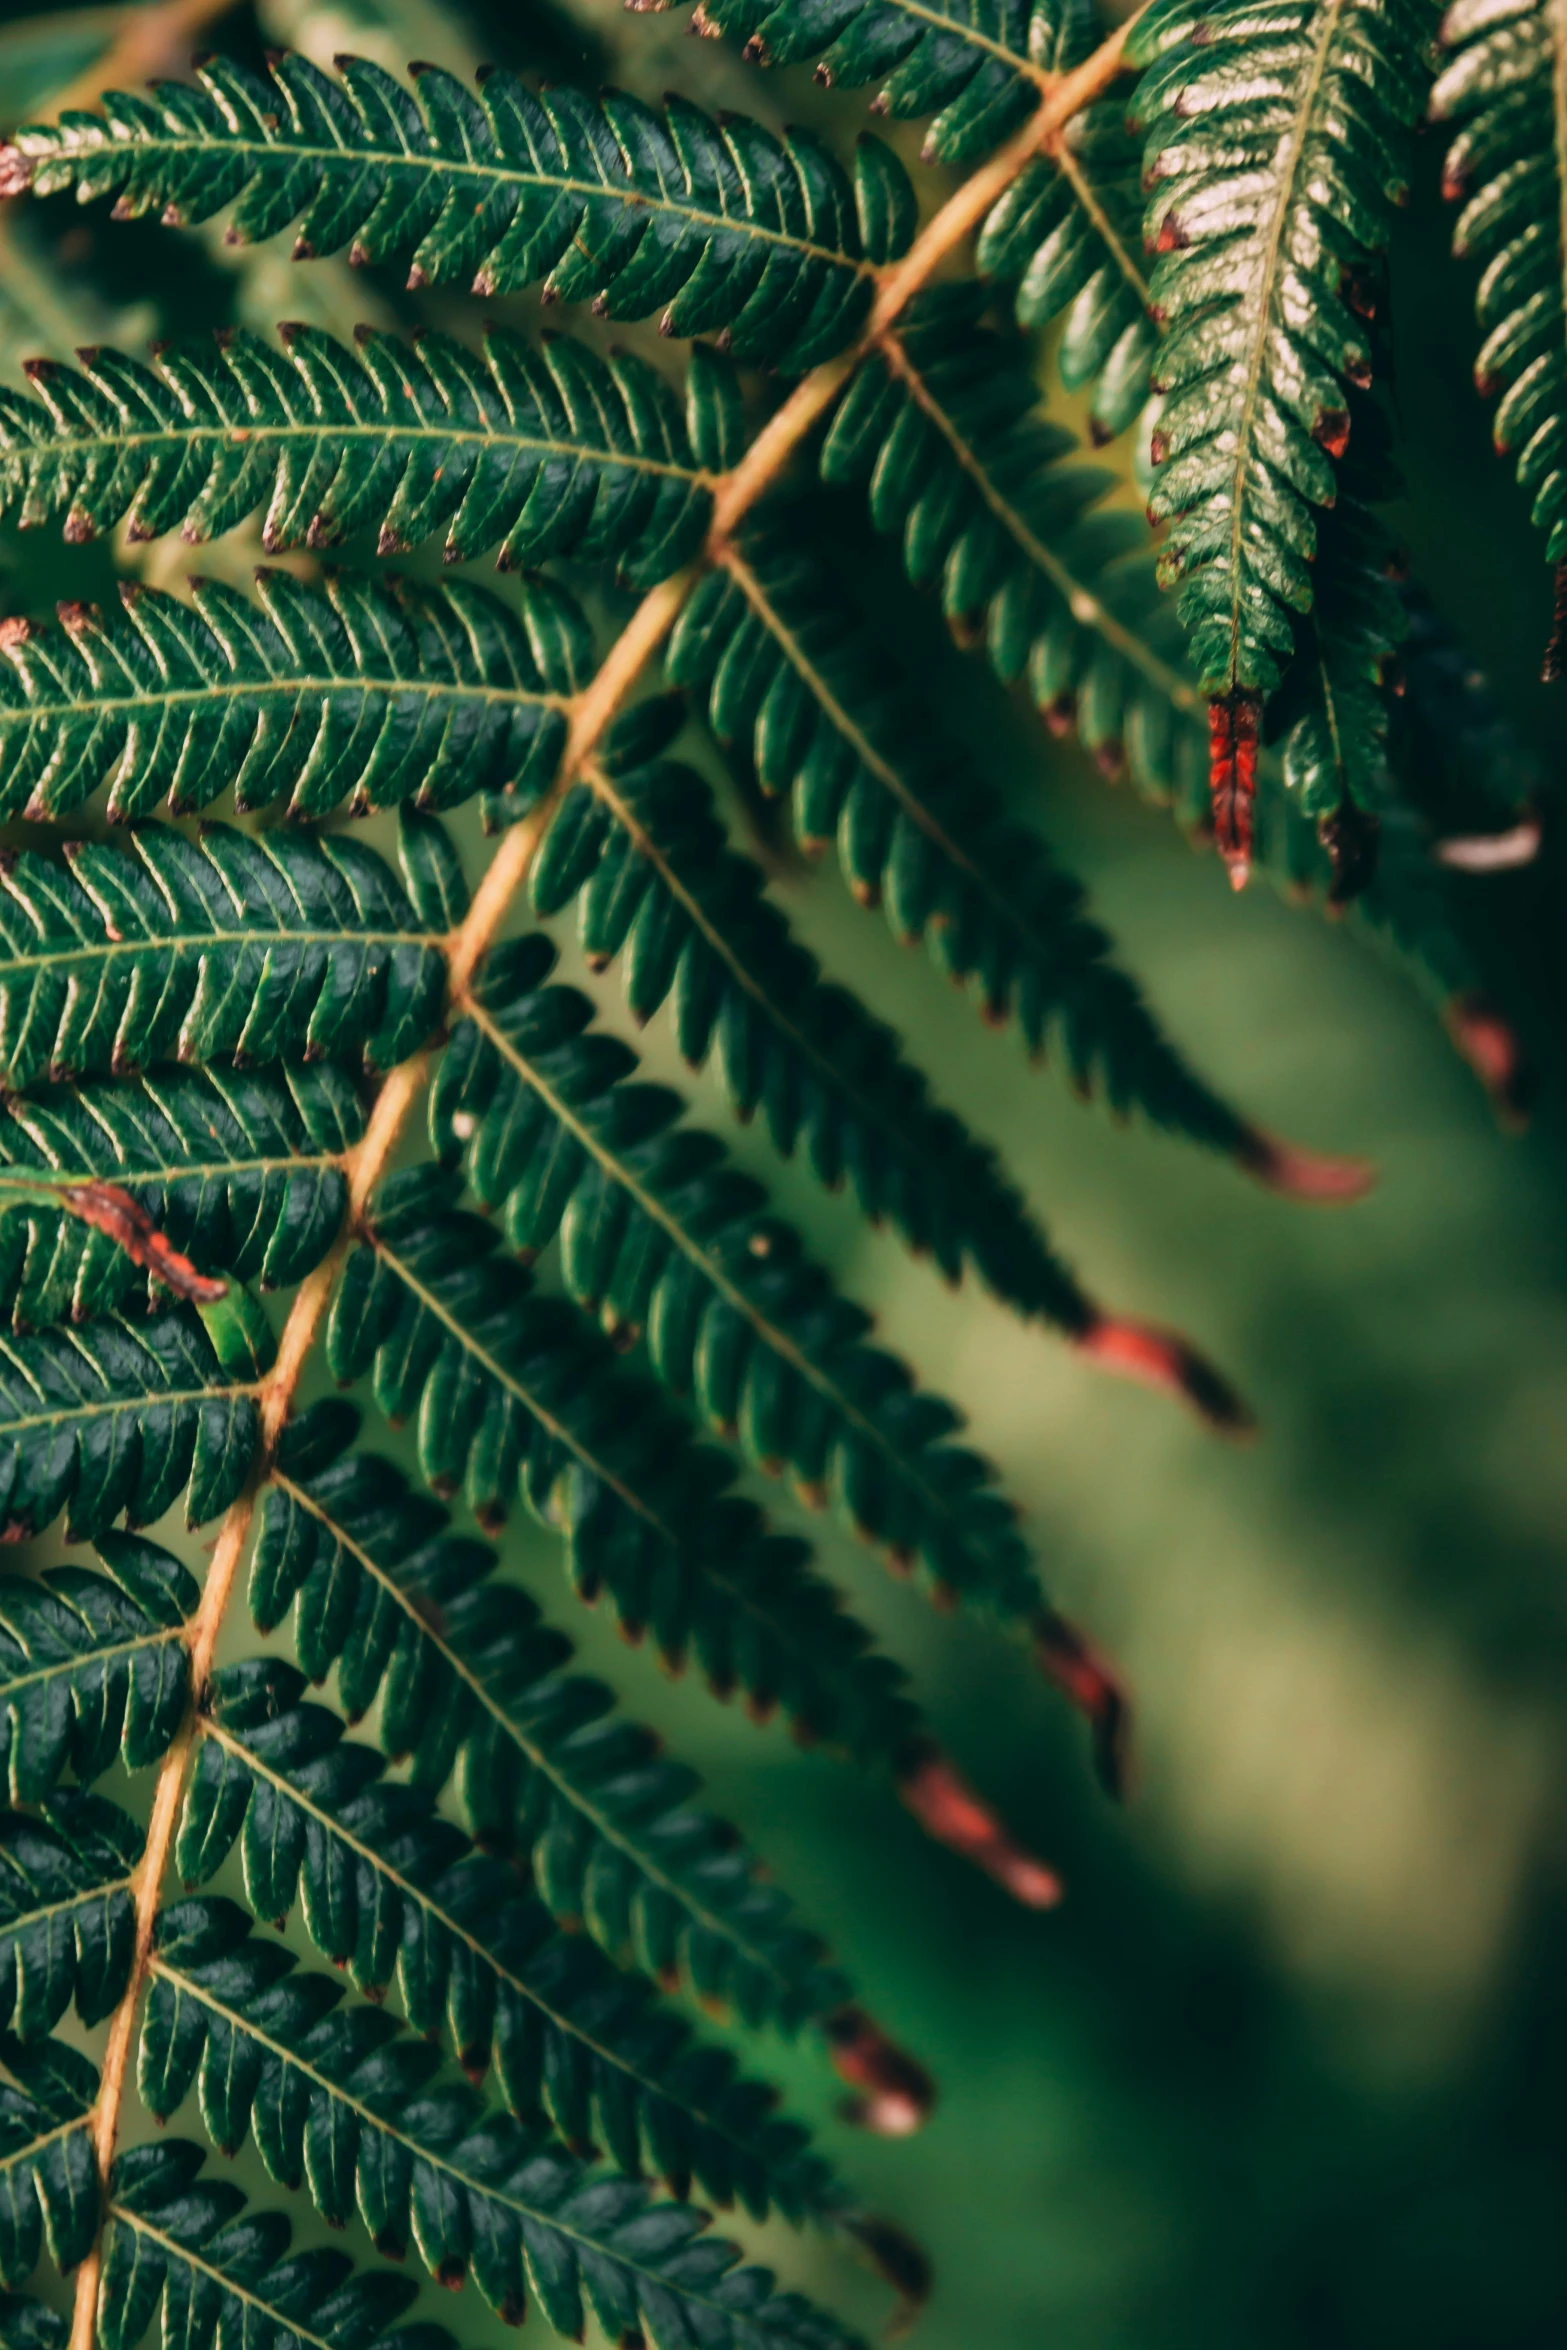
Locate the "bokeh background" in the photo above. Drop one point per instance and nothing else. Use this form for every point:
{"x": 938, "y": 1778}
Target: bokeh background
{"x": 1290, "y": 2064}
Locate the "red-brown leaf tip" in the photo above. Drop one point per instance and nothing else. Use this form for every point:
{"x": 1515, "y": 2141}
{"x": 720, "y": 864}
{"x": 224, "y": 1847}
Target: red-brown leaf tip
{"x": 1086, "y": 1681}
{"x": 1493, "y": 1052}
{"x": 1299, "y": 1174}
{"x": 897, "y": 2093}
{"x": 948, "y": 1809}
{"x": 1163, "y": 1359}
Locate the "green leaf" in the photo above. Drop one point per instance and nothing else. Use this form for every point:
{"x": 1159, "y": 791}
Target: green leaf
{"x": 544, "y": 452}
{"x": 1277, "y": 151}
{"x": 430, "y": 2167}
{"x": 368, "y": 691}
{"x": 659, "y": 1232}
{"x": 67, "y": 1918}
{"x": 388, "y": 1886}
{"x": 224, "y": 2273}
{"x": 785, "y": 660}
{"x": 721, "y": 227}
{"x": 92, "y": 1665}
{"x": 547, "y": 1766}
{"x": 1505, "y": 86}
{"x": 48, "y": 2175}
{"x": 517, "y": 1392}
{"x": 115, "y": 1417}
{"x": 641, "y": 848}
{"x": 224, "y": 949}
{"x": 240, "y": 1171}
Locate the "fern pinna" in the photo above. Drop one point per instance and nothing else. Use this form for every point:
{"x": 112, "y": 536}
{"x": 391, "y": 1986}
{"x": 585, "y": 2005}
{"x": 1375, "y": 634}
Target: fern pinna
{"x": 263, "y": 1055}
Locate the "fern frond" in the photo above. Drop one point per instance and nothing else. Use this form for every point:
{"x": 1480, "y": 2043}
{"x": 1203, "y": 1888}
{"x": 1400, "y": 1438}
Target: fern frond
{"x": 722, "y": 227}
{"x": 389, "y": 1887}
{"x": 642, "y": 849}
{"x": 430, "y": 2167}
{"x": 67, "y": 1920}
{"x": 516, "y": 1392}
{"x": 659, "y": 1232}
{"x": 367, "y": 691}
{"x": 92, "y": 1666}
{"x": 1276, "y": 155}
{"x": 227, "y": 948}
{"x": 1506, "y": 87}
{"x": 919, "y": 830}
{"x": 543, "y": 452}
{"x": 119, "y": 1416}
{"x": 242, "y": 1171}
{"x": 222, "y": 2272}
{"x": 48, "y": 2175}
{"x": 469, "y": 1676}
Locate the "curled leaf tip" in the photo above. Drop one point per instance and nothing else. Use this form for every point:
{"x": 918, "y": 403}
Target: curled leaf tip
{"x": 1087, "y": 1682}
{"x": 1163, "y": 1359}
{"x": 948, "y": 1809}
{"x": 895, "y": 2093}
{"x": 1299, "y": 1174}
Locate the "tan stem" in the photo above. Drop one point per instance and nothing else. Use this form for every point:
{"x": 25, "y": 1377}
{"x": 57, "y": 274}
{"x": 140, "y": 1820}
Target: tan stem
{"x": 592, "y": 713}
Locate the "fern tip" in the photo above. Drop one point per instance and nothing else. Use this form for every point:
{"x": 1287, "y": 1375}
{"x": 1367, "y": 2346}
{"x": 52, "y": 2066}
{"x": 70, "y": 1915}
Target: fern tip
{"x": 1084, "y": 1678}
{"x": 1162, "y": 1359}
{"x": 898, "y": 2093}
{"x": 1307, "y": 1175}
{"x": 949, "y": 1810}
{"x": 1490, "y": 1045}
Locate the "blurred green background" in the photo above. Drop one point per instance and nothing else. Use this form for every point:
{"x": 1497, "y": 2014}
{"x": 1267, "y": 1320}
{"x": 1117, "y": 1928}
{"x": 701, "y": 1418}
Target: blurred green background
{"x": 1290, "y": 2065}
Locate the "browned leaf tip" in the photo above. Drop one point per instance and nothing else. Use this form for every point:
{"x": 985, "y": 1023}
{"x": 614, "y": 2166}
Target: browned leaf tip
{"x": 125, "y": 1220}
{"x": 948, "y": 1809}
{"x": 1163, "y": 1359}
{"x": 1491, "y": 1047}
{"x": 1084, "y": 1678}
{"x": 1232, "y": 779}
{"x": 896, "y": 2094}
{"x": 899, "y": 2262}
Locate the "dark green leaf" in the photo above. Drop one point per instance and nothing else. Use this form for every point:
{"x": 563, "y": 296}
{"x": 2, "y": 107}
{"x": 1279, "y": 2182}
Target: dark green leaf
{"x": 229, "y": 948}
{"x": 547, "y": 1766}
{"x": 543, "y": 452}
{"x": 115, "y": 1417}
{"x": 368, "y": 691}
{"x": 223, "y": 2273}
{"x": 478, "y": 1962}
{"x": 516, "y": 1392}
{"x": 430, "y": 2167}
{"x": 641, "y": 848}
{"x": 722, "y": 227}
{"x": 48, "y": 2175}
{"x": 67, "y": 1918}
{"x": 91, "y": 1668}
